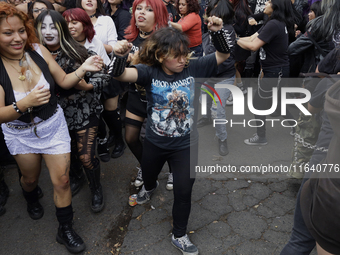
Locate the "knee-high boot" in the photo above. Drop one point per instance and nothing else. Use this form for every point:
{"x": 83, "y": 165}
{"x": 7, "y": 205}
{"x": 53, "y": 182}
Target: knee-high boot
{"x": 77, "y": 176}
{"x": 93, "y": 176}
{"x": 114, "y": 122}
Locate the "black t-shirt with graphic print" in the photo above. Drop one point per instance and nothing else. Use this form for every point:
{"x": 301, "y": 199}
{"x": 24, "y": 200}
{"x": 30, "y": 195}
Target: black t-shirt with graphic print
{"x": 274, "y": 53}
{"x": 171, "y": 100}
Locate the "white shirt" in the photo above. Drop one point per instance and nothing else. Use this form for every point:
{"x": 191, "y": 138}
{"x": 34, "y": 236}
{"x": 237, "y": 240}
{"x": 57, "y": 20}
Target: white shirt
{"x": 106, "y": 30}
{"x": 97, "y": 46}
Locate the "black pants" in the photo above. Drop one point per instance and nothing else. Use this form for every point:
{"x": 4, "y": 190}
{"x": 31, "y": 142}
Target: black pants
{"x": 181, "y": 164}
{"x": 263, "y": 96}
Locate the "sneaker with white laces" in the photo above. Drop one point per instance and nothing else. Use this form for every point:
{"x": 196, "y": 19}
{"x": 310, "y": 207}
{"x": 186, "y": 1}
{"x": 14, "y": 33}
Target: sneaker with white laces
{"x": 184, "y": 245}
{"x": 139, "y": 179}
{"x": 170, "y": 182}
{"x": 241, "y": 87}
{"x": 229, "y": 100}
{"x": 256, "y": 140}
{"x": 144, "y": 196}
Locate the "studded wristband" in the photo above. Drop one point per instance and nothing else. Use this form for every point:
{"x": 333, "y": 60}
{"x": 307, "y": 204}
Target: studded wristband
{"x": 221, "y": 40}
{"x": 118, "y": 67}
{"x": 16, "y": 108}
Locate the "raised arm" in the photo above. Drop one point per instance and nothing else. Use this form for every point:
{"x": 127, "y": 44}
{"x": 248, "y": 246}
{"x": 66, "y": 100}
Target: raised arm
{"x": 119, "y": 71}
{"x": 220, "y": 39}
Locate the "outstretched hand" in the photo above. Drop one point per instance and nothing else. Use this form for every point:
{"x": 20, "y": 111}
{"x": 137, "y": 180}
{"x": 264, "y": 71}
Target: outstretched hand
{"x": 122, "y": 48}
{"x": 93, "y": 64}
{"x": 215, "y": 23}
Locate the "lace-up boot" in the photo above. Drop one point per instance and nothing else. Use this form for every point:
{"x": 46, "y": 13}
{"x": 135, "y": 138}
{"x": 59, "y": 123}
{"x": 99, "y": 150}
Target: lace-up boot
{"x": 68, "y": 237}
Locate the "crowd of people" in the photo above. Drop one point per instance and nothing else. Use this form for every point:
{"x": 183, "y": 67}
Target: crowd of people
{"x": 70, "y": 68}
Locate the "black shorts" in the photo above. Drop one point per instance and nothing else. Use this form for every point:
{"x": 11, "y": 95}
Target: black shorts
{"x": 135, "y": 105}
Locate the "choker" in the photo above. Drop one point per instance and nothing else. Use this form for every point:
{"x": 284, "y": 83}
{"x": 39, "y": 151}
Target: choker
{"x": 82, "y": 40}
{"x": 15, "y": 59}
{"x": 145, "y": 33}
{"x": 93, "y": 15}
{"x": 55, "y": 52}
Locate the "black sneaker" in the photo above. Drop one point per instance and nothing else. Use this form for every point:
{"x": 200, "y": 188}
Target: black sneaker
{"x": 103, "y": 151}
{"x": 68, "y": 237}
{"x": 256, "y": 140}
{"x": 170, "y": 182}
{"x": 139, "y": 179}
{"x": 223, "y": 147}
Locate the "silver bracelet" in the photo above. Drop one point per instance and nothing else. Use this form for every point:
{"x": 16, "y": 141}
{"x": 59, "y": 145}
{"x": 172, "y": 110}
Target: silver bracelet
{"x": 75, "y": 72}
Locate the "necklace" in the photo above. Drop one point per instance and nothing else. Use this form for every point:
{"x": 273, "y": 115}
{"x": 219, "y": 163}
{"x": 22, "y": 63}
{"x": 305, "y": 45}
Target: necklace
{"x": 21, "y": 77}
{"x": 145, "y": 33}
{"x": 15, "y": 59}
{"x": 55, "y": 52}
{"x": 82, "y": 40}
{"x": 93, "y": 15}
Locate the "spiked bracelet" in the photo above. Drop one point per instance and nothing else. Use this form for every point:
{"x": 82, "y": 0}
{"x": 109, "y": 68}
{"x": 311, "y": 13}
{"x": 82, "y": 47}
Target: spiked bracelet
{"x": 221, "y": 40}
{"x": 118, "y": 66}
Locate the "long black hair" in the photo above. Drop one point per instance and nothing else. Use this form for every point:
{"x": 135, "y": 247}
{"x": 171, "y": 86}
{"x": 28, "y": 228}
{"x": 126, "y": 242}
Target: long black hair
{"x": 222, "y": 9}
{"x": 242, "y": 9}
{"x": 283, "y": 11}
{"x": 70, "y": 47}
{"x": 328, "y": 24}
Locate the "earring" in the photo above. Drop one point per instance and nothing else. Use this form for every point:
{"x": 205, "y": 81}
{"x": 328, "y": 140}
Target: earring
{"x": 156, "y": 28}
{"x": 136, "y": 25}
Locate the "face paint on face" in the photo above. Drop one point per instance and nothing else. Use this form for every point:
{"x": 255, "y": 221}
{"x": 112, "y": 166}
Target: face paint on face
{"x": 49, "y": 32}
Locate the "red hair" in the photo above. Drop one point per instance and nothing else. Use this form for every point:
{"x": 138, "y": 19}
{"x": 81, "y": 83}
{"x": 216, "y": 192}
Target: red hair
{"x": 80, "y": 15}
{"x": 8, "y": 10}
{"x": 161, "y": 18}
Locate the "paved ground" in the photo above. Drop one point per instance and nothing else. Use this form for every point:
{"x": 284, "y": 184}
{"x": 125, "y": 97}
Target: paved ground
{"x": 231, "y": 214}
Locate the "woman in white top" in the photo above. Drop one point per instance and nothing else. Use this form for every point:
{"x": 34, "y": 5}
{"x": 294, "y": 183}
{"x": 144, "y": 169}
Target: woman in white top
{"x": 106, "y": 32}
{"x": 32, "y": 122}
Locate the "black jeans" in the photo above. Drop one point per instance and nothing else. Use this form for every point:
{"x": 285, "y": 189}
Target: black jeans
{"x": 263, "y": 96}
{"x": 181, "y": 164}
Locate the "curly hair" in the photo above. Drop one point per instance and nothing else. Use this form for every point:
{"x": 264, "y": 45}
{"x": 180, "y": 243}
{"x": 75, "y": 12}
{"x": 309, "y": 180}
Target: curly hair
{"x": 161, "y": 18}
{"x": 80, "y": 15}
{"x": 167, "y": 42}
{"x": 8, "y": 10}
{"x": 192, "y": 6}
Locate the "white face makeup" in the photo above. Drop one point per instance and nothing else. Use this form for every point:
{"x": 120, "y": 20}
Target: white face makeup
{"x": 49, "y": 32}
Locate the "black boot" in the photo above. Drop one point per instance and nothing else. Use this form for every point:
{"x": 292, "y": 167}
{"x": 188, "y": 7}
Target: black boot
{"x": 93, "y": 176}
{"x": 103, "y": 151}
{"x": 77, "y": 178}
{"x": 4, "y": 193}
{"x": 34, "y": 208}
{"x": 119, "y": 148}
{"x": 113, "y": 121}
{"x": 66, "y": 234}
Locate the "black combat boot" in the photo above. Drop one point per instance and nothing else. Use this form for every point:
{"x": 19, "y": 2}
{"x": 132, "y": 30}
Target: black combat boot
{"x": 93, "y": 176}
